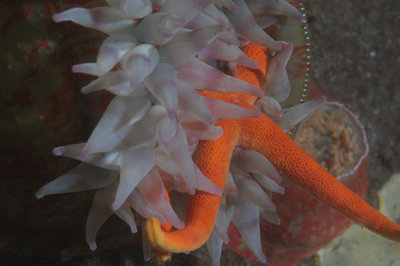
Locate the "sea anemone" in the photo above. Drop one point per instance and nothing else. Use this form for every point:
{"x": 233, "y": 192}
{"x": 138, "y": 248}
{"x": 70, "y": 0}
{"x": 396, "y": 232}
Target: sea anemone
{"x": 157, "y": 56}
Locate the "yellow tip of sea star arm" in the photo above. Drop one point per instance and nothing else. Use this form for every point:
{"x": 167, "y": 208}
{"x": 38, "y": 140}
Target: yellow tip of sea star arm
{"x": 162, "y": 256}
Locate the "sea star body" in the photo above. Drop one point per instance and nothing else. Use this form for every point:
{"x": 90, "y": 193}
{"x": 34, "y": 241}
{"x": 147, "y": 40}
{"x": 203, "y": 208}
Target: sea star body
{"x": 260, "y": 134}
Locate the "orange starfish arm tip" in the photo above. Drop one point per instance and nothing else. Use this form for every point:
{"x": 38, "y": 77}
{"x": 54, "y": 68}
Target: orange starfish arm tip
{"x": 176, "y": 241}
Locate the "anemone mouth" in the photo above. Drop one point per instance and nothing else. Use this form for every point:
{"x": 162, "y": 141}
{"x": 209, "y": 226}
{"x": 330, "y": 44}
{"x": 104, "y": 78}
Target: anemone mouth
{"x": 335, "y": 138}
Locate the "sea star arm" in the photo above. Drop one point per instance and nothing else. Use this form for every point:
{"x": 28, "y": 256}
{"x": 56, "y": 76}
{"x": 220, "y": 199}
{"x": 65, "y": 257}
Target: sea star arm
{"x": 264, "y": 136}
{"x": 213, "y": 159}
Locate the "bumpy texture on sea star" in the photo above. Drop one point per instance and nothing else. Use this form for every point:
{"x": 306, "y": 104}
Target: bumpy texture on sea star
{"x": 264, "y": 136}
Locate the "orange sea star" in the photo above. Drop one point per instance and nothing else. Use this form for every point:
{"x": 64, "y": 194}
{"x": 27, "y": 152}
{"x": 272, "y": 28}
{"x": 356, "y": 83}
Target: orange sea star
{"x": 151, "y": 63}
{"x": 260, "y": 134}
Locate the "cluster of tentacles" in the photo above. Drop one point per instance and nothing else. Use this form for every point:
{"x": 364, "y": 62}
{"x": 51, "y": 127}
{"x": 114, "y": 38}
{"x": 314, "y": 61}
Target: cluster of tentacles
{"x": 177, "y": 123}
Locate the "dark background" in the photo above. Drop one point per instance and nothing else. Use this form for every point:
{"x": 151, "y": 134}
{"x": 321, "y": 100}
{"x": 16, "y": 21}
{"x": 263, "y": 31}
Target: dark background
{"x": 356, "y": 59}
